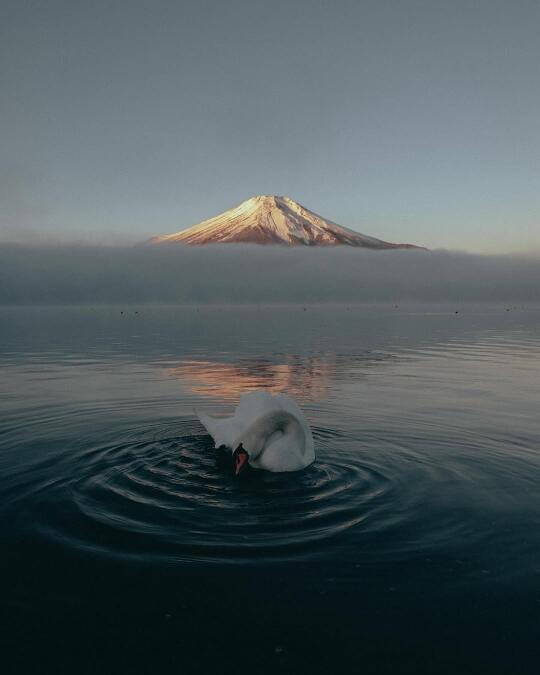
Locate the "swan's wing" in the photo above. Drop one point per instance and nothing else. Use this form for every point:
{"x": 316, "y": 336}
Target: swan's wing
{"x": 255, "y": 404}
{"x": 224, "y": 430}
{"x": 291, "y": 406}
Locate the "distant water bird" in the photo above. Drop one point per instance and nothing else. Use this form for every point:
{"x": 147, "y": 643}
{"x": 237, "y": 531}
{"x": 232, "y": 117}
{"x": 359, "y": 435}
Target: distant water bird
{"x": 266, "y": 432}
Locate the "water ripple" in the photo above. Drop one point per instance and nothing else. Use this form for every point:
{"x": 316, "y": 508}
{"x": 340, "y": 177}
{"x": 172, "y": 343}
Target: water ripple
{"x": 164, "y": 493}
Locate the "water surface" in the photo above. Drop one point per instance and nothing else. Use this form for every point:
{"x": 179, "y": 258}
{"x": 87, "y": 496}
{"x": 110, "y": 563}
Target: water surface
{"x": 411, "y": 545}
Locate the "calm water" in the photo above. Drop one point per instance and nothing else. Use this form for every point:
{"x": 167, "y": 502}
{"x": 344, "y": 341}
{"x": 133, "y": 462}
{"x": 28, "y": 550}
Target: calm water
{"x": 412, "y": 545}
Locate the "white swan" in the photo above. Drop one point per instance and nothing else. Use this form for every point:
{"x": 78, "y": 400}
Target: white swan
{"x": 266, "y": 432}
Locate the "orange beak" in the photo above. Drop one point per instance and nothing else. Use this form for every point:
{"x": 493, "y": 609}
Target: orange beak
{"x": 240, "y": 459}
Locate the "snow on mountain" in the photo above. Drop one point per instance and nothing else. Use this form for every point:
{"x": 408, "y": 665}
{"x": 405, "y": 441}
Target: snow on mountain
{"x": 269, "y": 219}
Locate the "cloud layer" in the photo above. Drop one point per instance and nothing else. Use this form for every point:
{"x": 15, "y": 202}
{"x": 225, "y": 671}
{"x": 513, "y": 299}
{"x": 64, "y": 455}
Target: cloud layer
{"x": 251, "y": 274}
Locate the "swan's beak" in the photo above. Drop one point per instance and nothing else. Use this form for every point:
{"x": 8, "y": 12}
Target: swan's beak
{"x": 240, "y": 459}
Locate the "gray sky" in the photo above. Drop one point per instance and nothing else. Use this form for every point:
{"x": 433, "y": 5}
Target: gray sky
{"x": 411, "y": 120}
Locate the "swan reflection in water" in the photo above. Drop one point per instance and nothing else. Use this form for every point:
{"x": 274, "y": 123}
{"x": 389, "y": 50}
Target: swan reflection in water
{"x": 306, "y": 379}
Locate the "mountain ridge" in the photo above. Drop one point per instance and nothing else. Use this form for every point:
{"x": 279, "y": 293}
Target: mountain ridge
{"x": 273, "y": 219}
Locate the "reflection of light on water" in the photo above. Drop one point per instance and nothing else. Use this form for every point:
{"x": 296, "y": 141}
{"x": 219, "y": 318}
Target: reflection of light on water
{"x": 306, "y": 379}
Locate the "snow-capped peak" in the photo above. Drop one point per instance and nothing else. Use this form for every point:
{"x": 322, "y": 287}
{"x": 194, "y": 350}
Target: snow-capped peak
{"x": 272, "y": 219}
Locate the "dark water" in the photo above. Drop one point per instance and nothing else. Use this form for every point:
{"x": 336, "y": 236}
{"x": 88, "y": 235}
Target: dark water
{"x": 412, "y": 545}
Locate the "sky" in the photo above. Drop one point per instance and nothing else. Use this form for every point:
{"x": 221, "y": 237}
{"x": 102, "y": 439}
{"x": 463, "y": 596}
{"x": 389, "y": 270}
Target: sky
{"x": 410, "y": 120}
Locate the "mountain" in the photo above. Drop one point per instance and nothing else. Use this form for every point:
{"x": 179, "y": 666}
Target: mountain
{"x": 269, "y": 219}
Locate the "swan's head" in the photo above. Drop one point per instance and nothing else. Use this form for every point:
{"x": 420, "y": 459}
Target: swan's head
{"x": 240, "y": 459}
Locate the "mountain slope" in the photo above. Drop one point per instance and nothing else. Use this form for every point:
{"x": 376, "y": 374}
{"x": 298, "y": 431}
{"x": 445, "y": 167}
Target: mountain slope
{"x": 269, "y": 219}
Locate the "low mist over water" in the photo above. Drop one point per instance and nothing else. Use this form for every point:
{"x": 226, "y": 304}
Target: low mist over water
{"x": 254, "y": 274}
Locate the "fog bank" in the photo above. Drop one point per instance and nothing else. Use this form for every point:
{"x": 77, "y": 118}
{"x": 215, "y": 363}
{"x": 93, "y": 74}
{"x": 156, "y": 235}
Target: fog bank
{"x": 252, "y": 274}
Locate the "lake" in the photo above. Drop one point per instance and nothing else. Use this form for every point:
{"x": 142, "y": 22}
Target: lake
{"x": 411, "y": 545}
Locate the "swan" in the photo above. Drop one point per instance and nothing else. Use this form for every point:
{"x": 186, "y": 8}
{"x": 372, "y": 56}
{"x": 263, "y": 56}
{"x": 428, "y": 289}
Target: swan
{"x": 267, "y": 432}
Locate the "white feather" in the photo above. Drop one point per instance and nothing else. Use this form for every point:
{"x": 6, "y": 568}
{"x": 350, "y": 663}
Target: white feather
{"x": 272, "y": 429}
